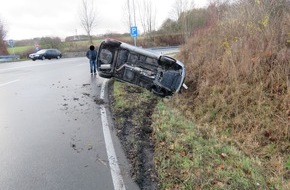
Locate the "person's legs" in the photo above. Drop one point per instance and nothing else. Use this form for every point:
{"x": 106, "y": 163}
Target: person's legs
{"x": 91, "y": 66}
{"x": 94, "y": 66}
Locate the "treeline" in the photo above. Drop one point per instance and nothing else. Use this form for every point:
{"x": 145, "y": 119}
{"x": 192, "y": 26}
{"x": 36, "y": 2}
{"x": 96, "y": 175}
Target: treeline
{"x": 176, "y": 32}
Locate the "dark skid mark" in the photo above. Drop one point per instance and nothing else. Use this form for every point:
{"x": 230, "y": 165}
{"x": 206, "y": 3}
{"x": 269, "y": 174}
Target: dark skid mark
{"x": 85, "y": 85}
{"x": 99, "y": 101}
{"x": 86, "y": 94}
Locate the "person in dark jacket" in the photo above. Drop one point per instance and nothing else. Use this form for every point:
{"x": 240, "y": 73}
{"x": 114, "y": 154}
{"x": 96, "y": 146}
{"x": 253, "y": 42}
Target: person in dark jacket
{"x": 92, "y": 56}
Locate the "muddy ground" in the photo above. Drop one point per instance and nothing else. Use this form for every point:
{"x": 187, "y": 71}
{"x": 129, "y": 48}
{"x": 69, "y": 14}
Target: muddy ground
{"x": 135, "y": 134}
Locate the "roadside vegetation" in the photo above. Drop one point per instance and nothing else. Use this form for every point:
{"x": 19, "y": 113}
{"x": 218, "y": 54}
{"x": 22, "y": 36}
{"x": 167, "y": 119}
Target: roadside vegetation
{"x": 231, "y": 128}
{"x": 238, "y": 70}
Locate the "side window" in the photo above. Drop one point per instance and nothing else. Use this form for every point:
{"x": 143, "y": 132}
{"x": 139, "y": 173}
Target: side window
{"x": 133, "y": 59}
{"x": 142, "y": 58}
{"x": 122, "y": 57}
{"x": 151, "y": 61}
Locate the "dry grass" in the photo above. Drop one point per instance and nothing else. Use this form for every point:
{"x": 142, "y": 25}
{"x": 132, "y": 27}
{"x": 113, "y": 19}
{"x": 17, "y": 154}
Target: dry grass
{"x": 238, "y": 73}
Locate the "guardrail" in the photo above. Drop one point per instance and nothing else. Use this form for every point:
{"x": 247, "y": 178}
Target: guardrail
{"x": 165, "y": 50}
{"x": 165, "y": 47}
{"x": 7, "y": 58}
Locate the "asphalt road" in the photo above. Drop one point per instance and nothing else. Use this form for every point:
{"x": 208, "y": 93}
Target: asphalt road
{"x": 55, "y": 132}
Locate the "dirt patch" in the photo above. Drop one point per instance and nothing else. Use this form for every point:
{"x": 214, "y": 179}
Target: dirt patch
{"x": 135, "y": 133}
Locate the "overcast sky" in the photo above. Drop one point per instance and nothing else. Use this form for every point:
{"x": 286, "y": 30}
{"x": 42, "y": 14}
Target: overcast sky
{"x": 26, "y": 19}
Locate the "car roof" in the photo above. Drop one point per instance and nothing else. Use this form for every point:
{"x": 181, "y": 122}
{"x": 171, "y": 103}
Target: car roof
{"x": 49, "y": 49}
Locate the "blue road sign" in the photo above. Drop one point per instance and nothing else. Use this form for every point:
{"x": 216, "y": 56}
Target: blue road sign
{"x": 11, "y": 43}
{"x": 134, "y": 31}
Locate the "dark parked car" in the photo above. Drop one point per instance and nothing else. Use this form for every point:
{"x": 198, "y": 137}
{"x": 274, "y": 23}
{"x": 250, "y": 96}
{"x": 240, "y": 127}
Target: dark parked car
{"x": 163, "y": 75}
{"x": 46, "y": 54}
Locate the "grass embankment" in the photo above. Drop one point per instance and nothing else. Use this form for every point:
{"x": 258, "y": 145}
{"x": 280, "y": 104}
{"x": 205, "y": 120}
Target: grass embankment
{"x": 231, "y": 128}
{"x": 239, "y": 79}
{"x": 187, "y": 156}
{"x": 19, "y": 50}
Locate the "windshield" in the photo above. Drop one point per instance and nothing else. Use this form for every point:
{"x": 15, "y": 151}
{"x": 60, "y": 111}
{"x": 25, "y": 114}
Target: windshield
{"x": 40, "y": 51}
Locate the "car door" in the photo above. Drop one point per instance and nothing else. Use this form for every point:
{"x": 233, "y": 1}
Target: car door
{"x": 49, "y": 54}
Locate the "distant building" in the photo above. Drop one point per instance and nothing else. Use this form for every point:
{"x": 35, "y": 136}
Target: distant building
{"x": 76, "y": 38}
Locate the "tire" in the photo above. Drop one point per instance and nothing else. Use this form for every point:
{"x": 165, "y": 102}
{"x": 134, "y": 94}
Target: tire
{"x": 33, "y": 59}
{"x": 164, "y": 60}
{"x": 113, "y": 43}
{"x": 108, "y": 76}
{"x": 58, "y": 57}
{"x": 158, "y": 91}
{"x": 43, "y": 58}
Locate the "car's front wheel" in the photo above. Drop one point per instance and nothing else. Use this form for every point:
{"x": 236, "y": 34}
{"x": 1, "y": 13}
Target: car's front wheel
{"x": 58, "y": 57}
{"x": 105, "y": 75}
{"x": 43, "y": 58}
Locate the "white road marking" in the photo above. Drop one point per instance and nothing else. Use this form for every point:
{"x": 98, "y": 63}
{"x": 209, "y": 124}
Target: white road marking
{"x": 4, "y": 84}
{"x": 102, "y": 95}
{"x": 113, "y": 161}
{"x": 12, "y": 68}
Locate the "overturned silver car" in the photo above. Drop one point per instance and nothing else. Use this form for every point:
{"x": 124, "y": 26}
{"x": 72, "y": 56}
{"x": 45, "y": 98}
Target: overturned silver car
{"x": 161, "y": 74}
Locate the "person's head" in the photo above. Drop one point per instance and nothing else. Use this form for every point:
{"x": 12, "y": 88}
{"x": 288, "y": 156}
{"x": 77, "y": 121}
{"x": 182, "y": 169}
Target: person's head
{"x": 92, "y": 47}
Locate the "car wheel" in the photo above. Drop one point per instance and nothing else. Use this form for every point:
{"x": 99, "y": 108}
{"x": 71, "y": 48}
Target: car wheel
{"x": 43, "y": 58}
{"x": 33, "y": 59}
{"x": 166, "y": 60}
{"x": 113, "y": 43}
{"x": 108, "y": 76}
{"x": 158, "y": 91}
{"x": 58, "y": 57}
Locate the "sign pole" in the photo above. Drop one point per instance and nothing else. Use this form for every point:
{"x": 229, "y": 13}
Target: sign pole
{"x": 11, "y": 44}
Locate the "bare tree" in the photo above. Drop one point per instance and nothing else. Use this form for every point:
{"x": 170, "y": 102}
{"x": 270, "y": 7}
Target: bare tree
{"x": 181, "y": 10}
{"x": 128, "y": 14}
{"x": 147, "y": 16}
{"x": 144, "y": 10}
{"x": 134, "y": 13}
{"x": 88, "y": 17}
{"x": 3, "y": 32}
{"x": 181, "y": 6}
